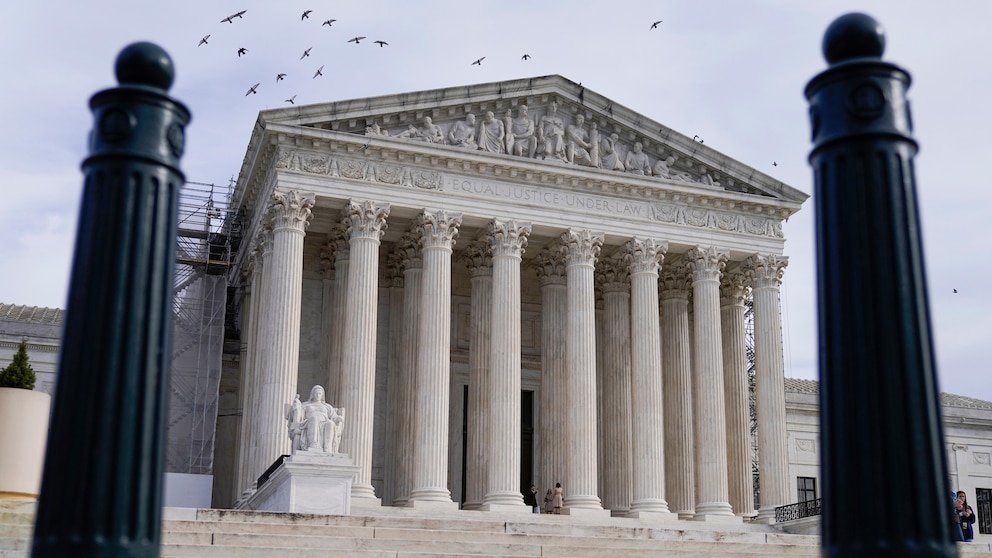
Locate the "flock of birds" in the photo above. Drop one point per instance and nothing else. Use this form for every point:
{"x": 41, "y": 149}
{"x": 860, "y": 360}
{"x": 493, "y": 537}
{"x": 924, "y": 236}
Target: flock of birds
{"x": 242, "y": 51}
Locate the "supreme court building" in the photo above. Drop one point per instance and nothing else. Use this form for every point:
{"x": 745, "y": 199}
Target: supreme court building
{"x": 508, "y": 284}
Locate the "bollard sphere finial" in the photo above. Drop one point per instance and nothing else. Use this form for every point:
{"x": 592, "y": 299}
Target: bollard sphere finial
{"x": 145, "y": 63}
{"x": 853, "y": 35}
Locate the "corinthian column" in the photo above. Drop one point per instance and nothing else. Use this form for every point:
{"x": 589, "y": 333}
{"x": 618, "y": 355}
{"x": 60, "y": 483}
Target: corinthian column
{"x": 409, "y": 247}
{"x": 741, "y": 488}
{"x": 478, "y": 258}
{"x": 430, "y": 475}
{"x": 709, "y": 420}
{"x": 365, "y": 222}
{"x": 550, "y": 267}
{"x": 338, "y": 236}
{"x": 773, "y": 455}
{"x": 613, "y": 278}
{"x": 581, "y": 249}
{"x": 290, "y": 214}
{"x": 509, "y": 238}
{"x": 646, "y": 404}
{"x": 249, "y": 380}
{"x": 394, "y": 372}
{"x": 255, "y": 466}
{"x": 677, "y": 388}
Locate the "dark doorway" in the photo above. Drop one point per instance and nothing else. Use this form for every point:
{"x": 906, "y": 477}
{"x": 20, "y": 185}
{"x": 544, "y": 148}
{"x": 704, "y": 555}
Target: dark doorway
{"x": 983, "y": 496}
{"x": 526, "y": 440}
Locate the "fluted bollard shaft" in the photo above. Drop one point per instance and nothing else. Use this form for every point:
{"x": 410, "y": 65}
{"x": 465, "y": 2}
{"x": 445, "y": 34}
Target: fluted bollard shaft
{"x": 880, "y": 419}
{"x": 101, "y": 491}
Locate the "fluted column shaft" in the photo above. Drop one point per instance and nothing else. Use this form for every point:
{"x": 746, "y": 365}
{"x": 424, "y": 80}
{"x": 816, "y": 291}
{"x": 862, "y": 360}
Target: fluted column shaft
{"x": 249, "y": 381}
{"x": 327, "y": 323}
{"x": 407, "y": 405}
{"x": 478, "y": 258}
{"x": 430, "y": 476}
{"x": 338, "y": 308}
{"x": 614, "y": 419}
{"x": 709, "y": 419}
{"x": 581, "y": 250}
{"x": 766, "y": 273}
{"x": 741, "y": 488}
{"x": 647, "y": 400}
{"x": 394, "y": 416}
{"x": 365, "y": 222}
{"x": 509, "y": 238}
{"x": 255, "y": 467}
{"x": 677, "y": 390}
{"x": 550, "y": 266}
{"x": 281, "y": 344}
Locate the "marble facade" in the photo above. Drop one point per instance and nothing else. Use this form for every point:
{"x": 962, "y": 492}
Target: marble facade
{"x": 575, "y": 255}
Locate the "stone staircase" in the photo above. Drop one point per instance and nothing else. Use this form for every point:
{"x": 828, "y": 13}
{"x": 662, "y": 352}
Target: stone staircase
{"x": 404, "y": 533}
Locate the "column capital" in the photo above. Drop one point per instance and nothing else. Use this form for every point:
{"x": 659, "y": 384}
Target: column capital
{"x": 365, "y": 219}
{"x": 328, "y": 255}
{"x": 706, "y": 263}
{"x": 509, "y": 238}
{"x": 581, "y": 247}
{"x": 733, "y": 287}
{"x": 478, "y": 256}
{"x": 409, "y": 247}
{"x": 644, "y": 255}
{"x": 766, "y": 270}
{"x": 612, "y": 275}
{"x": 291, "y": 210}
{"x": 338, "y": 237}
{"x": 395, "y": 261}
{"x": 438, "y": 228}
{"x": 675, "y": 281}
{"x": 550, "y": 265}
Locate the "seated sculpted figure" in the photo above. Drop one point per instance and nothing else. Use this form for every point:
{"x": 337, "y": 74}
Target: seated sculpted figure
{"x": 491, "y": 134}
{"x": 314, "y": 425}
{"x": 462, "y": 134}
{"x": 637, "y": 161}
{"x": 431, "y": 132}
{"x": 578, "y": 146}
{"x": 610, "y": 158}
{"x": 520, "y": 138}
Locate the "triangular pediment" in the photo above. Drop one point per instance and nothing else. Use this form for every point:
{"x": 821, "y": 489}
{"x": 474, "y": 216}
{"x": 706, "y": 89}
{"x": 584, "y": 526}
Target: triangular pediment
{"x": 571, "y": 125}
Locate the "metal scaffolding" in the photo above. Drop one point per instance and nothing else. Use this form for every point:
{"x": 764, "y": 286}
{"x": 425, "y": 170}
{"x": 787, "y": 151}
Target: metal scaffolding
{"x": 203, "y": 256}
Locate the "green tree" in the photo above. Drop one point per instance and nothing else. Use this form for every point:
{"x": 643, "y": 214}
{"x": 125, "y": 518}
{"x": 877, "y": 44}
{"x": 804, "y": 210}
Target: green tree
{"x": 19, "y": 373}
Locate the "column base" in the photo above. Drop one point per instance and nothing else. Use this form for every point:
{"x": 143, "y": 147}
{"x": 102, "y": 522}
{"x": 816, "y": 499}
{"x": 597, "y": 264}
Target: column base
{"x": 585, "y": 512}
{"x": 366, "y": 491}
{"x": 471, "y": 506}
{"x": 433, "y": 505}
{"x": 765, "y": 515}
{"x": 716, "y": 518}
{"x": 663, "y": 516}
{"x": 507, "y": 508}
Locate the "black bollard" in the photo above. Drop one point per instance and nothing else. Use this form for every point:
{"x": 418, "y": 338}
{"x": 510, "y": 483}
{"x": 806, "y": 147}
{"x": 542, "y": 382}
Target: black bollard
{"x": 101, "y": 491}
{"x": 885, "y": 481}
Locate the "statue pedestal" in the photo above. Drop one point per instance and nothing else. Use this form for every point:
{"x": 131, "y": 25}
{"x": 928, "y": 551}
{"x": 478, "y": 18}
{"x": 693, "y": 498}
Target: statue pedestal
{"x": 308, "y": 482}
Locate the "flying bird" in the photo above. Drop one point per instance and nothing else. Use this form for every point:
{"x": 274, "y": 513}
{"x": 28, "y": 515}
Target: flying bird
{"x": 241, "y": 51}
{"x": 252, "y": 90}
{"x": 328, "y": 23}
{"x": 655, "y": 25}
{"x": 355, "y": 40}
{"x": 230, "y": 18}
{"x": 306, "y": 15}
{"x": 280, "y": 77}
{"x": 774, "y": 164}
{"x": 381, "y": 43}
{"x": 525, "y": 57}
{"x": 479, "y": 61}
{"x": 955, "y": 290}
{"x": 306, "y": 53}
{"x": 319, "y": 73}
{"x": 290, "y": 100}
{"x": 203, "y": 41}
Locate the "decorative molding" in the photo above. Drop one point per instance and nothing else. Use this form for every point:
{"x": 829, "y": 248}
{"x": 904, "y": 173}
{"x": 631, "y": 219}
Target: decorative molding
{"x": 982, "y": 459}
{"x": 805, "y": 445}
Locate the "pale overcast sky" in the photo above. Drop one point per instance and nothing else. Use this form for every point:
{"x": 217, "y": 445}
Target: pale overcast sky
{"x": 730, "y": 71}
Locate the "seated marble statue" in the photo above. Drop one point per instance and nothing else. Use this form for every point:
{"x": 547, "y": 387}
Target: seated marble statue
{"x": 610, "y": 158}
{"x": 520, "y": 135}
{"x": 375, "y": 130}
{"x": 578, "y": 146}
{"x": 551, "y": 134}
{"x": 462, "y": 134}
{"x": 314, "y": 425}
{"x": 637, "y": 161}
{"x": 431, "y": 132}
